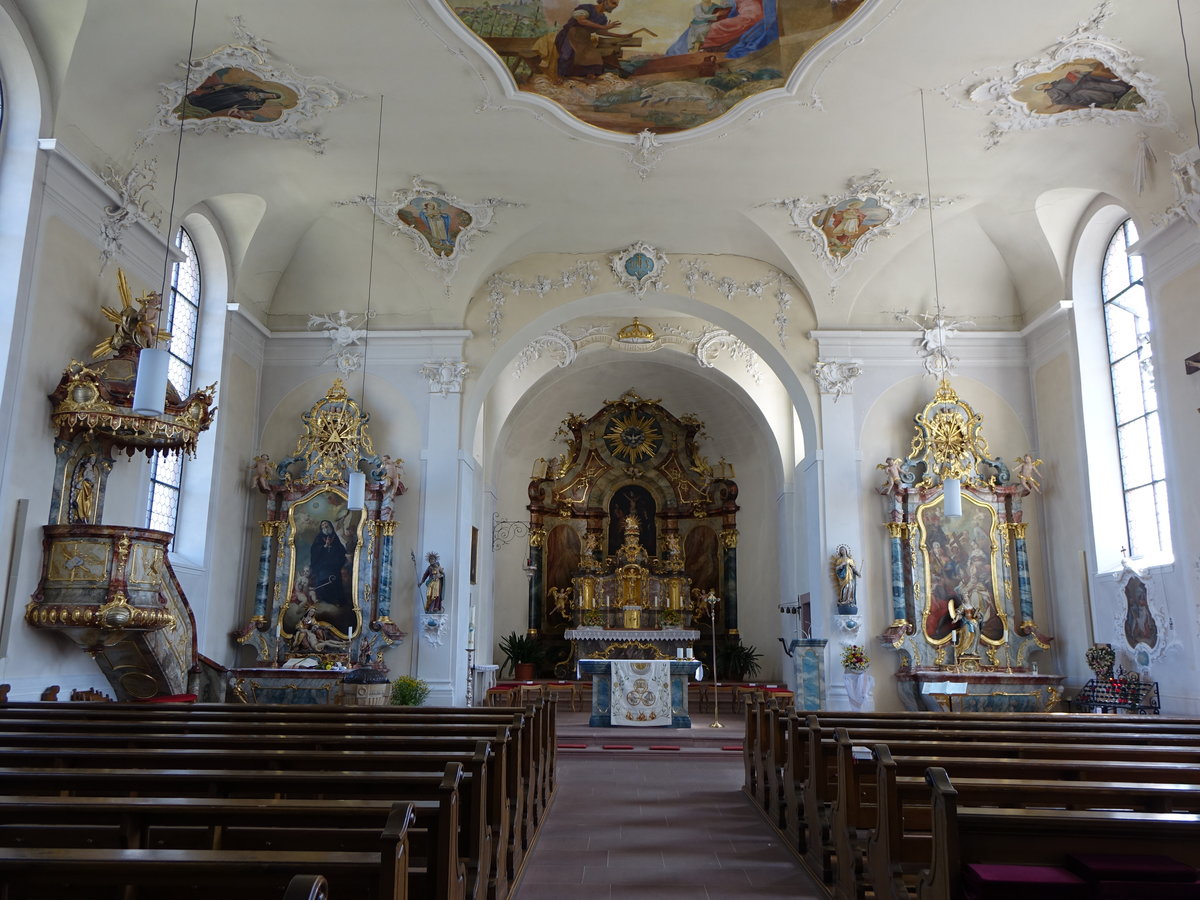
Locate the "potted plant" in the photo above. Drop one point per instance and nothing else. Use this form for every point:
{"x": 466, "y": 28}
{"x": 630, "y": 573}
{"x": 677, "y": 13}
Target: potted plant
{"x": 409, "y": 691}
{"x": 739, "y": 661}
{"x": 522, "y": 653}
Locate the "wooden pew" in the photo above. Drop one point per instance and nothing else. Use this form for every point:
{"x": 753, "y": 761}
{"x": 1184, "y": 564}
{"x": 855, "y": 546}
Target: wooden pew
{"x": 900, "y": 845}
{"x": 1037, "y": 836}
{"x": 487, "y": 835}
{"x": 209, "y": 824}
{"x": 854, "y": 777}
{"x": 434, "y": 798}
{"x": 490, "y": 838}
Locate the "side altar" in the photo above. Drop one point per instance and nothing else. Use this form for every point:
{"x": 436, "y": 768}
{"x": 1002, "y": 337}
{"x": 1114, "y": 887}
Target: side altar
{"x": 962, "y": 605}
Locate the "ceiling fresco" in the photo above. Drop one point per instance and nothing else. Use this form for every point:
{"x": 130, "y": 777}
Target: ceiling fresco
{"x": 662, "y": 65}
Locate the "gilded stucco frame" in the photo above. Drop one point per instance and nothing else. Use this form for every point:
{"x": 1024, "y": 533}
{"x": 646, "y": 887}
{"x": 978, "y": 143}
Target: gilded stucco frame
{"x": 931, "y": 566}
{"x": 334, "y": 497}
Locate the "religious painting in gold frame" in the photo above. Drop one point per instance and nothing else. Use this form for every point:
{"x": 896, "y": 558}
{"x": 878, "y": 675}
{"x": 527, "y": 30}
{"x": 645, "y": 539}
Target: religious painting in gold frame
{"x": 961, "y": 558}
{"x": 323, "y": 543}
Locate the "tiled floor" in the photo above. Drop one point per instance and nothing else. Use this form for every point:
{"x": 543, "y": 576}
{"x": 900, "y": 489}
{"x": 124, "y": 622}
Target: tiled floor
{"x": 678, "y": 826}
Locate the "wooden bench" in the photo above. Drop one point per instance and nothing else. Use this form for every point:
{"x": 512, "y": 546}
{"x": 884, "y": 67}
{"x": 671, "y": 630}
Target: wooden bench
{"x": 207, "y": 824}
{"x": 899, "y": 845}
{"x": 487, "y": 835}
{"x": 434, "y": 798}
{"x": 1032, "y": 836}
{"x": 843, "y": 819}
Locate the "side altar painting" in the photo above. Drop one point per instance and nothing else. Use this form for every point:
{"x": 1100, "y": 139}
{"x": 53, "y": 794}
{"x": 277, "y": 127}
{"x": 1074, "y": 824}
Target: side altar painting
{"x": 323, "y": 593}
{"x": 630, "y": 529}
{"x": 651, "y": 64}
{"x": 962, "y": 604}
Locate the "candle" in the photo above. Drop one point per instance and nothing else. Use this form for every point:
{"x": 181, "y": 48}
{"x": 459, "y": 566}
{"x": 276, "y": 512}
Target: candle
{"x": 679, "y": 653}
{"x": 471, "y": 630}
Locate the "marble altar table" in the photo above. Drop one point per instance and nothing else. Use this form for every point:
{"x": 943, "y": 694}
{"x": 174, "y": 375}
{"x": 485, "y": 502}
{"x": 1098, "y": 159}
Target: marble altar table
{"x": 600, "y": 671}
{"x": 991, "y": 690}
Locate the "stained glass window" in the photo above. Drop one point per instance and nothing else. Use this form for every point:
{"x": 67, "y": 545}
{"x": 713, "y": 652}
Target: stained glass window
{"x": 183, "y": 317}
{"x": 1135, "y": 401}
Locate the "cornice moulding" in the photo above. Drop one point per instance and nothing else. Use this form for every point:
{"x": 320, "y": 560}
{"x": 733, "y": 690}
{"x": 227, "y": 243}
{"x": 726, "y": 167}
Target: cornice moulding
{"x": 899, "y": 348}
{"x": 1169, "y": 252}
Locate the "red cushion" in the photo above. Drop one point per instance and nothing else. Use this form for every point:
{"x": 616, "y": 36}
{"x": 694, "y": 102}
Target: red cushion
{"x": 171, "y": 698}
{"x": 991, "y": 881}
{"x": 1130, "y": 867}
{"x": 1135, "y": 890}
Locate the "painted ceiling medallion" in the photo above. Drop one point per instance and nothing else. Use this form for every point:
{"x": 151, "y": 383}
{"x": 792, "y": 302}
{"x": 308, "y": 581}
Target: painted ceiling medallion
{"x": 840, "y": 227}
{"x": 639, "y": 268}
{"x": 1083, "y": 77}
{"x": 241, "y": 88}
{"x": 660, "y": 65}
{"x": 440, "y": 225}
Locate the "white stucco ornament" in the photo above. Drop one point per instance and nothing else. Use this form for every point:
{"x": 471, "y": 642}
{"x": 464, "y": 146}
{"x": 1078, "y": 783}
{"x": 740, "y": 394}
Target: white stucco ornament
{"x": 445, "y": 376}
{"x": 836, "y": 377}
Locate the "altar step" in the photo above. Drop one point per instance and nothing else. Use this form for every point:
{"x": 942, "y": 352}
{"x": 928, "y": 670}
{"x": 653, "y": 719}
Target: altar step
{"x": 576, "y": 738}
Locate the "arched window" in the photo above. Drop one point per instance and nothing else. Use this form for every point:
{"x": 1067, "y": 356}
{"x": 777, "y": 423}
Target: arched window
{"x": 1135, "y": 402}
{"x": 183, "y": 316}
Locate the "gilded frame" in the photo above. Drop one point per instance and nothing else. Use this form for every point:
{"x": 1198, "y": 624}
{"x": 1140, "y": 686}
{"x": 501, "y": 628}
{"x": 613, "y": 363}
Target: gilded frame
{"x": 336, "y": 601}
{"x": 953, "y": 556}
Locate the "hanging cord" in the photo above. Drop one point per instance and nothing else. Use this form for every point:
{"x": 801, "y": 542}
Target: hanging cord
{"x": 937, "y": 299}
{"x": 187, "y": 83}
{"x": 1188, "y": 67}
{"x": 371, "y": 259}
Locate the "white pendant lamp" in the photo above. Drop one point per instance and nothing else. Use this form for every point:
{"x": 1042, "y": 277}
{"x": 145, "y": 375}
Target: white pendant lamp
{"x": 952, "y": 494}
{"x": 356, "y": 494}
{"x": 150, "y": 388}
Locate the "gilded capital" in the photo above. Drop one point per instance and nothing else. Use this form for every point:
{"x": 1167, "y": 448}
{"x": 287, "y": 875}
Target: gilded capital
{"x": 1017, "y": 530}
{"x": 537, "y": 537}
{"x": 729, "y": 538}
{"x": 896, "y": 529}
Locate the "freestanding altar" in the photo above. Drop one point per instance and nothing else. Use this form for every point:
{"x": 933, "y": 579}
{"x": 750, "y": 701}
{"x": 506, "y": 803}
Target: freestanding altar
{"x": 629, "y": 710}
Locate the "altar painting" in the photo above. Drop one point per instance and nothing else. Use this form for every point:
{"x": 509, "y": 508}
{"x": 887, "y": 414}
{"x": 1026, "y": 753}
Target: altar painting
{"x": 236, "y": 93}
{"x": 652, "y": 64}
{"x": 1078, "y": 84}
{"x": 322, "y": 589}
{"x": 961, "y": 559}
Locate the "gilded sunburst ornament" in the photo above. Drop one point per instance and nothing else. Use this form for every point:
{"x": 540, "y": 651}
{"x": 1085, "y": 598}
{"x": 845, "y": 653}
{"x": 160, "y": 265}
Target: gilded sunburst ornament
{"x": 947, "y": 437}
{"x": 633, "y": 436}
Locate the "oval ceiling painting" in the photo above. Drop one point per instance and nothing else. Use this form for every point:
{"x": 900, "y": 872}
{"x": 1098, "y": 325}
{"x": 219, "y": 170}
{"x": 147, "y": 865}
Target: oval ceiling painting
{"x": 662, "y": 65}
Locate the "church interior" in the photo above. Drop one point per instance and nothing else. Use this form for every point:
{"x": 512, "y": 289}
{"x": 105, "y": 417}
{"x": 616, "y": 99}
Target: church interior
{"x": 850, "y": 341}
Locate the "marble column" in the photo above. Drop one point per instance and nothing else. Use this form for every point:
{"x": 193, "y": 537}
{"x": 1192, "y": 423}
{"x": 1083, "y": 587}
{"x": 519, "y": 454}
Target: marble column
{"x": 808, "y": 666}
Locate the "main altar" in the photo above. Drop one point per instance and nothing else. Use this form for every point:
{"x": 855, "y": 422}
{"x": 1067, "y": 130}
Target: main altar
{"x": 629, "y": 530}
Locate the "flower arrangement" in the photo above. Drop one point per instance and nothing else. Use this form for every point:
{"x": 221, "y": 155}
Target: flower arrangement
{"x": 1100, "y": 659}
{"x": 854, "y": 658}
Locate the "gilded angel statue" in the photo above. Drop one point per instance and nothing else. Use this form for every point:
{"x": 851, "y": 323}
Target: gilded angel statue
{"x": 1026, "y": 472}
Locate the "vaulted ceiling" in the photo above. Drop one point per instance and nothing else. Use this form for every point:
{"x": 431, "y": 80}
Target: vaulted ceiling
{"x": 452, "y": 116}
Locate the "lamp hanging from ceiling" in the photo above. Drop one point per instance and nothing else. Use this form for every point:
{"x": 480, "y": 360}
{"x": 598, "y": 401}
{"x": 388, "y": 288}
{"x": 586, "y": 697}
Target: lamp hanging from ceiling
{"x": 951, "y": 482}
{"x": 357, "y": 481}
{"x": 150, "y": 387}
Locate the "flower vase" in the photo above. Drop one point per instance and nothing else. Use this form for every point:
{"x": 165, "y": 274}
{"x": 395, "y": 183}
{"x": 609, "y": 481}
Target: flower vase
{"x": 859, "y": 689}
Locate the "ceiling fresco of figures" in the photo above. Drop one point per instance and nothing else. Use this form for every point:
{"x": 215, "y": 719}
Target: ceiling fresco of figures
{"x": 662, "y": 65}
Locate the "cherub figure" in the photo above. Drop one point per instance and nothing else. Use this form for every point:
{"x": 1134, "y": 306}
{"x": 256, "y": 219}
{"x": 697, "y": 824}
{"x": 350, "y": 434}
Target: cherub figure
{"x": 1026, "y": 472}
{"x": 393, "y": 472}
{"x": 260, "y": 472}
{"x": 891, "y": 466}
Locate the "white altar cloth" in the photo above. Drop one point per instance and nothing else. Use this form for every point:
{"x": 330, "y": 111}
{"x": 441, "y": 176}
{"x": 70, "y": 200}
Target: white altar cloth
{"x": 641, "y": 692}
